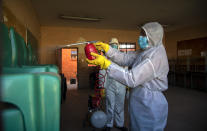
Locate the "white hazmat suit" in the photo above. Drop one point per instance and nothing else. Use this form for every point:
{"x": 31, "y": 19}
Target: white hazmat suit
{"x": 148, "y": 107}
{"x": 115, "y": 96}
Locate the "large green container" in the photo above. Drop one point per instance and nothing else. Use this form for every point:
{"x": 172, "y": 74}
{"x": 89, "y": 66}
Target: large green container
{"x": 37, "y": 96}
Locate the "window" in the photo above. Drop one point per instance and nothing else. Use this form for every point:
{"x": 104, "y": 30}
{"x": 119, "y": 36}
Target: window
{"x": 73, "y": 54}
{"x": 127, "y": 47}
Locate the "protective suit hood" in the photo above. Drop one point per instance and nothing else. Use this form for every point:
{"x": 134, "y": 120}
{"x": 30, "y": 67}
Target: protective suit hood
{"x": 154, "y": 32}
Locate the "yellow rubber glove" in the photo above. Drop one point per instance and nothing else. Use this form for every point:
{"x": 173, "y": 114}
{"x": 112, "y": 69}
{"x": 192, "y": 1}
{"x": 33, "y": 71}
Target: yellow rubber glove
{"x": 100, "y": 60}
{"x": 101, "y": 46}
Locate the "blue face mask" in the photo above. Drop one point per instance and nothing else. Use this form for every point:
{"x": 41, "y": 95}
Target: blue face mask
{"x": 114, "y": 46}
{"x": 143, "y": 42}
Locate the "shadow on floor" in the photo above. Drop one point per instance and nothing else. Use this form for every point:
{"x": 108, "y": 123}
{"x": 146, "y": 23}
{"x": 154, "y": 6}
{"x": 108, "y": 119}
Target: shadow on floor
{"x": 187, "y": 110}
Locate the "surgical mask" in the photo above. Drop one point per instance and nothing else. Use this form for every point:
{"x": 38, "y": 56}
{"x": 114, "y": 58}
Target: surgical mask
{"x": 143, "y": 43}
{"x": 114, "y": 46}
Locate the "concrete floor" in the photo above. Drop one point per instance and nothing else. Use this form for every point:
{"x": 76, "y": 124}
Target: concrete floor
{"x": 187, "y": 110}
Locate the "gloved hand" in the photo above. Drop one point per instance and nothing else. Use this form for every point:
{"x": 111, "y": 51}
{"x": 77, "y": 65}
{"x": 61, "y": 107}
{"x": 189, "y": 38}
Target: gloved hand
{"x": 100, "y": 45}
{"x": 100, "y": 60}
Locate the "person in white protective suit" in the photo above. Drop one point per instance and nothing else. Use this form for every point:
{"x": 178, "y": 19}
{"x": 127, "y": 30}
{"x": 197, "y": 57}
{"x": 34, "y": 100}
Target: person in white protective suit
{"x": 115, "y": 96}
{"x": 147, "y": 78}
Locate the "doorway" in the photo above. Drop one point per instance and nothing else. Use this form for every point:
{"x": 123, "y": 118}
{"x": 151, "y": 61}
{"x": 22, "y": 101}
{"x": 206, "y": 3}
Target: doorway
{"x": 69, "y": 60}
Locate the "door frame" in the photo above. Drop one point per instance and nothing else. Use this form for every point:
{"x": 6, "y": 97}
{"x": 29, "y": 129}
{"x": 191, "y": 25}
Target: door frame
{"x": 77, "y": 62}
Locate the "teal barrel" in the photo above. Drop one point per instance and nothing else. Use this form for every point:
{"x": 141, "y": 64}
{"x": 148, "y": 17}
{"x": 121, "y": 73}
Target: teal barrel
{"x": 21, "y": 52}
{"x": 37, "y": 96}
{"x": 12, "y": 120}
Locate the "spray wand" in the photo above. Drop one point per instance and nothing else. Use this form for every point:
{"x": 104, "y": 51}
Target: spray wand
{"x": 79, "y": 43}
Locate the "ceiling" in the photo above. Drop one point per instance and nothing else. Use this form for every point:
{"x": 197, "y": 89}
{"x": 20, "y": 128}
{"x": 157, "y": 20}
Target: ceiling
{"x": 122, "y": 14}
